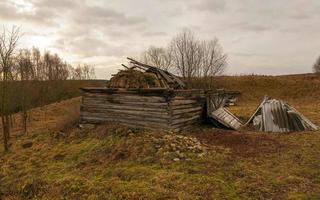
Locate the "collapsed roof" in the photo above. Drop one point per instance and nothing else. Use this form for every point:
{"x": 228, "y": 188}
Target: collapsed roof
{"x": 219, "y": 116}
{"x": 144, "y": 76}
{"x": 277, "y": 116}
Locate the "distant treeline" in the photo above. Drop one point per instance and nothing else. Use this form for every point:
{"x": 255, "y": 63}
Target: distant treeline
{"x": 29, "y": 78}
{"x": 30, "y": 64}
{"x": 24, "y": 95}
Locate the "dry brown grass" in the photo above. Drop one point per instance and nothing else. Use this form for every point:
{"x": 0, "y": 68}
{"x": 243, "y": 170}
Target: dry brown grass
{"x": 108, "y": 163}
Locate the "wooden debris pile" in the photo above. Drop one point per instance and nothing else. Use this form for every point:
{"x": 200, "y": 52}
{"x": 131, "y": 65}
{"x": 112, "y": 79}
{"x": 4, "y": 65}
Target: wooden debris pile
{"x": 132, "y": 78}
{"x": 144, "y": 76}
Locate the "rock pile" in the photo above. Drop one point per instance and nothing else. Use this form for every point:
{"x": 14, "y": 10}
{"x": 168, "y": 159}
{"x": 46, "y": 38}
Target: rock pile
{"x": 179, "y": 147}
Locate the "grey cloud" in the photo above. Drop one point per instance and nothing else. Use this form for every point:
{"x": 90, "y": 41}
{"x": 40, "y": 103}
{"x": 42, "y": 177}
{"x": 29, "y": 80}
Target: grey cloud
{"x": 53, "y": 4}
{"x": 255, "y": 27}
{"x": 155, "y": 34}
{"x": 38, "y": 16}
{"x": 7, "y": 11}
{"x": 105, "y": 16}
{"x": 244, "y": 54}
{"x": 88, "y": 47}
{"x": 210, "y": 5}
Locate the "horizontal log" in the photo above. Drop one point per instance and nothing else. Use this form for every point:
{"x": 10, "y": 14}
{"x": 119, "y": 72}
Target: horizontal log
{"x": 126, "y": 103}
{"x": 182, "y": 102}
{"x": 186, "y": 106}
{"x": 115, "y": 97}
{"x": 109, "y": 112}
{"x": 187, "y": 115}
{"x": 113, "y": 107}
{"x": 112, "y": 119}
{"x": 126, "y": 122}
{"x": 181, "y": 120}
{"x": 136, "y": 91}
{"x": 124, "y": 112}
{"x": 186, "y": 125}
{"x": 121, "y": 101}
{"x": 177, "y": 112}
{"x": 124, "y": 99}
{"x": 129, "y": 118}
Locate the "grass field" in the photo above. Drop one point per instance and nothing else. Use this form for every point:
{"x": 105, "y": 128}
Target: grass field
{"x": 58, "y": 160}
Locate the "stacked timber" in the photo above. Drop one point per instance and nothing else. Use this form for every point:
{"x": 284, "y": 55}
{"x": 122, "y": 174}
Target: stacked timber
{"x": 163, "y": 109}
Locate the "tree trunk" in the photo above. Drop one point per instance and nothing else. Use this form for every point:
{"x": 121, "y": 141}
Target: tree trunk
{"x": 6, "y": 131}
{"x": 24, "y": 121}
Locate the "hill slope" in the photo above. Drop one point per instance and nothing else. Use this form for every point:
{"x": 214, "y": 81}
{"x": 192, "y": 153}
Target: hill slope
{"x": 58, "y": 160}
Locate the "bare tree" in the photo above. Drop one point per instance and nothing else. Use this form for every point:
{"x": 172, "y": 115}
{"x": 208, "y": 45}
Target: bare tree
{"x": 188, "y": 56}
{"x": 26, "y": 72}
{"x": 213, "y": 60}
{"x": 158, "y": 57}
{"x": 8, "y": 43}
{"x": 195, "y": 58}
{"x": 186, "y": 53}
{"x": 82, "y": 72}
{"x": 316, "y": 66}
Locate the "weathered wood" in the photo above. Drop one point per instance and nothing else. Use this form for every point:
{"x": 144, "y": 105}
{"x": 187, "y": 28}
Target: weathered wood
{"x": 187, "y": 115}
{"x": 183, "y": 102}
{"x": 115, "y": 107}
{"x": 159, "y": 109}
{"x": 185, "y": 125}
{"x": 176, "y": 112}
{"x": 126, "y": 113}
{"x": 128, "y": 122}
{"x": 178, "y": 121}
{"x": 129, "y": 98}
{"x": 125, "y": 117}
{"x": 186, "y": 106}
{"x": 132, "y": 120}
{"x": 144, "y": 104}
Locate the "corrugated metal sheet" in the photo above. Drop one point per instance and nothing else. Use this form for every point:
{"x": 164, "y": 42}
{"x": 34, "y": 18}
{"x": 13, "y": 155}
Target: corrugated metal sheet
{"x": 225, "y": 118}
{"x": 277, "y": 116}
{"x": 219, "y": 116}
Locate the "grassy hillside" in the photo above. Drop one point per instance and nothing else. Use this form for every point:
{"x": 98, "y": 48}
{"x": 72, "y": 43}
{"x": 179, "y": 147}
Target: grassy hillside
{"x": 58, "y": 160}
{"x": 295, "y": 88}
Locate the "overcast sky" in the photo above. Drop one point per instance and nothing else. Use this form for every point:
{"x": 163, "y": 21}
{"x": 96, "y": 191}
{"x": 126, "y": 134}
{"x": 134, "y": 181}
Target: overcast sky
{"x": 259, "y": 36}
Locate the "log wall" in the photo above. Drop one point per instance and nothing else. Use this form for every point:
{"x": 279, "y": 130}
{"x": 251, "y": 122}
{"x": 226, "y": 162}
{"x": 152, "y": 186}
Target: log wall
{"x": 147, "y": 108}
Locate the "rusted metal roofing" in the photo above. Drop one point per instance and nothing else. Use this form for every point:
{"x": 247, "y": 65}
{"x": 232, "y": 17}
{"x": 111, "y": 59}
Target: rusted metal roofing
{"x": 277, "y": 116}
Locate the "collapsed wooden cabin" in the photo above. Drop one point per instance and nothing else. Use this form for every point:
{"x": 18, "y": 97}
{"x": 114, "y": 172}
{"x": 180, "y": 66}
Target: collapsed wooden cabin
{"x": 149, "y": 108}
{"x": 132, "y": 98}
